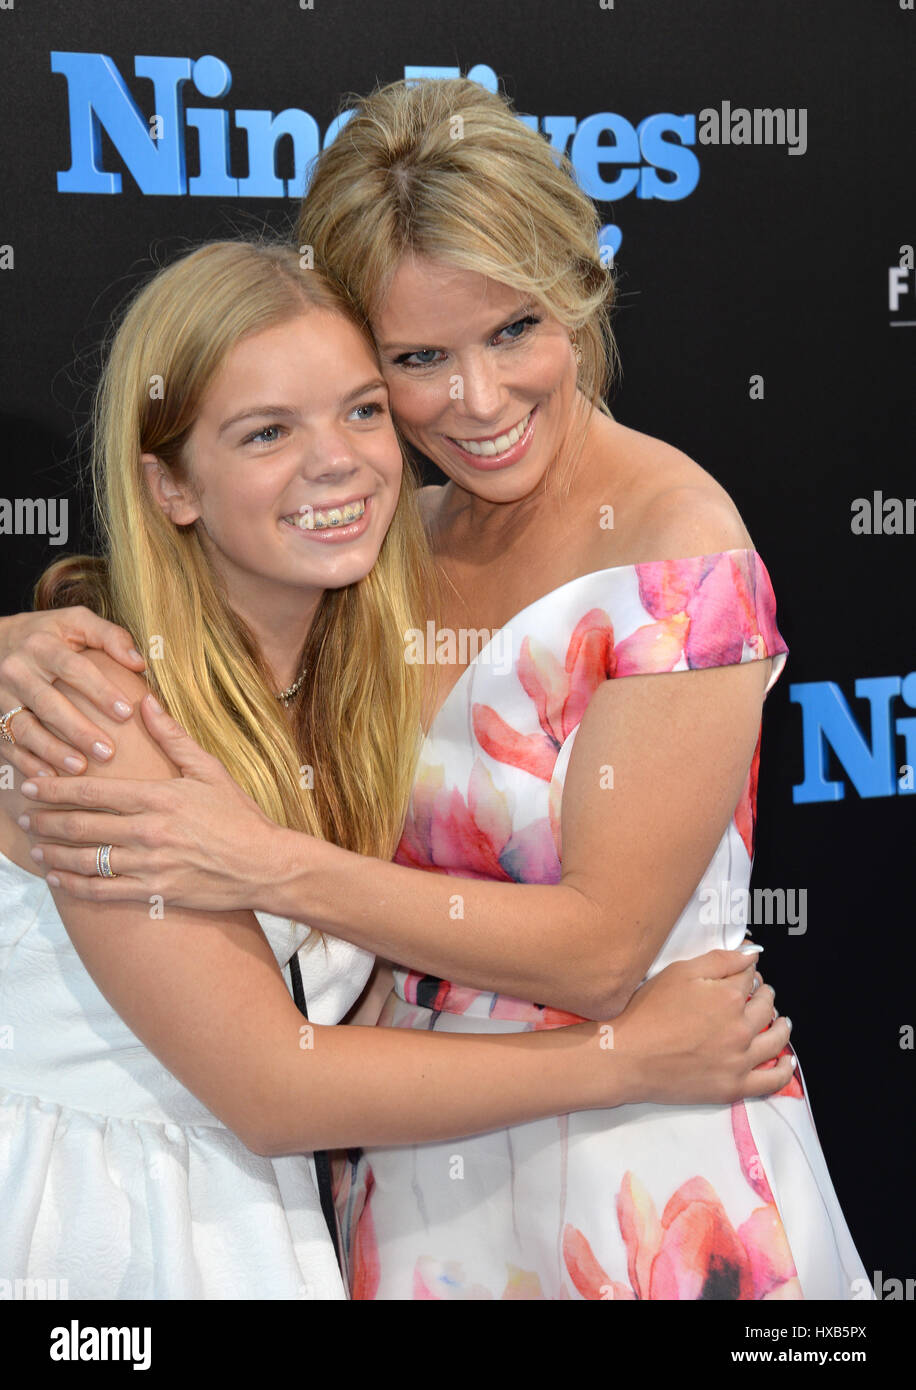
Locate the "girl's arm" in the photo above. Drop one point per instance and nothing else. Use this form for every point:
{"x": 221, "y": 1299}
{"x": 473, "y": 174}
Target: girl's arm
{"x": 680, "y": 745}
{"x": 204, "y": 992}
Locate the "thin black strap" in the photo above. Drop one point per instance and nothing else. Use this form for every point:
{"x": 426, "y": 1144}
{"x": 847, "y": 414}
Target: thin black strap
{"x": 322, "y": 1162}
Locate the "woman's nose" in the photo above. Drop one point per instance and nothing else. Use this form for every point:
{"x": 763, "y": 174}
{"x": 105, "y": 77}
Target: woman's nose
{"x": 481, "y": 393}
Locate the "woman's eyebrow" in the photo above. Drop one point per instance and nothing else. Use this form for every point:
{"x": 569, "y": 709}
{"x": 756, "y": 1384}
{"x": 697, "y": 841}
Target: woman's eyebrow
{"x": 519, "y": 312}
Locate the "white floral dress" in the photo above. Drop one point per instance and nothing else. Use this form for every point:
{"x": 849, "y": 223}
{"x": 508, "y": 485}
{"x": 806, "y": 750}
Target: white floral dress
{"x": 641, "y": 1201}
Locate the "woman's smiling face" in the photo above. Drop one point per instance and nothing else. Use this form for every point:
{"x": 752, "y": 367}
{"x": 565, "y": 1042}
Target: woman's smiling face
{"x": 294, "y": 424}
{"x": 481, "y": 380}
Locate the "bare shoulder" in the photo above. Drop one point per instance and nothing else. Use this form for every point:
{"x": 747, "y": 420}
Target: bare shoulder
{"x": 671, "y": 507}
{"x": 137, "y": 754}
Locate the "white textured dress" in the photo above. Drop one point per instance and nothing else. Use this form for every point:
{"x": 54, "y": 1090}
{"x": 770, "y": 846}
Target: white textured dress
{"x": 115, "y": 1181}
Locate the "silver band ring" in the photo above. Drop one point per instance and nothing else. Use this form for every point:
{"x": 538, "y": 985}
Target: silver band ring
{"x": 102, "y": 864}
{"x": 6, "y": 732}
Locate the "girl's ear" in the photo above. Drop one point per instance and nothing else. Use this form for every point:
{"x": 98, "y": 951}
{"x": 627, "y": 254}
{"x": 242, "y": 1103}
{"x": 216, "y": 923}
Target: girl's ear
{"x": 177, "y": 501}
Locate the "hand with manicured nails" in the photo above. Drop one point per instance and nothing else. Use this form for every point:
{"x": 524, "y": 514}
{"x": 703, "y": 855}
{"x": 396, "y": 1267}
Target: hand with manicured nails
{"x": 196, "y": 840}
{"x": 35, "y": 650}
{"x": 700, "y": 1031}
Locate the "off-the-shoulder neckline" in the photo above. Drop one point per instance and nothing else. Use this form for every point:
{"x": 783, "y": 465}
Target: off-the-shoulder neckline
{"x": 579, "y": 578}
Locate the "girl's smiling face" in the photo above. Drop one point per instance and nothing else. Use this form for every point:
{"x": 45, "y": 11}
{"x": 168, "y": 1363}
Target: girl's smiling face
{"x": 481, "y": 379}
{"x": 295, "y": 427}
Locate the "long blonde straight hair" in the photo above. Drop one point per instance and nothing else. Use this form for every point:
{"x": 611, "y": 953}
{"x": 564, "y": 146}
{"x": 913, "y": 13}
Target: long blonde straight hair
{"x": 447, "y": 170}
{"x": 342, "y": 769}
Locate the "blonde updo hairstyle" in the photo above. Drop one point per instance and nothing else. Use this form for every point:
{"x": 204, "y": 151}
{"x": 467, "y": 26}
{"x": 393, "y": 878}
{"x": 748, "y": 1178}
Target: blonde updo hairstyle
{"x": 446, "y": 170}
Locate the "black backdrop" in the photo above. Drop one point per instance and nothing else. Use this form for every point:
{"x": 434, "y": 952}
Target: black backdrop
{"x": 777, "y": 265}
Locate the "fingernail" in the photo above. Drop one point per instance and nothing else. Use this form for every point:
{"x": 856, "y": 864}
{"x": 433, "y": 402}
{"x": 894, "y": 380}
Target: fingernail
{"x": 24, "y": 822}
{"x": 74, "y": 764}
{"x": 793, "y": 1062}
{"x": 135, "y": 654}
{"x": 37, "y": 854}
{"x": 154, "y": 704}
{"x": 122, "y": 708}
{"x": 44, "y": 773}
{"x": 53, "y": 880}
{"x": 749, "y": 948}
{"x": 29, "y": 789}
{"x": 788, "y": 1023}
{"x": 101, "y": 750}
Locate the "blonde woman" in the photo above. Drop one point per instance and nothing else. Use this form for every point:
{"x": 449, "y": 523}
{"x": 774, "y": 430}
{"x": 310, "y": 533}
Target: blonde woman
{"x": 260, "y": 544}
{"x": 583, "y": 813}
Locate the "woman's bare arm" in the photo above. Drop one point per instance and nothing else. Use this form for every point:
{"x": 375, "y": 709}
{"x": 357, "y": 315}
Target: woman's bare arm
{"x": 35, "y": 650}
{"x": 680, "y": 745}
{"x": 204, "y": 993}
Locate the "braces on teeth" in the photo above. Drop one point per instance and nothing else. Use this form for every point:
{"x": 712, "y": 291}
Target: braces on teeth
{"x": 315, "y": 519}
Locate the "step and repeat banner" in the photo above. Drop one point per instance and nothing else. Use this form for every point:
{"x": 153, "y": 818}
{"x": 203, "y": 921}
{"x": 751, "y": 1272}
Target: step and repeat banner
{"x": 753, "y": 168}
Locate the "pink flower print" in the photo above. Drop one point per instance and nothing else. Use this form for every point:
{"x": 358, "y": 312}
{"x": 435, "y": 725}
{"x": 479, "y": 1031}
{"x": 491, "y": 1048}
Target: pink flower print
{"x": 364, "y": 1257}
{"x": 746, "y": 811}
{"x": 540, "y": 1016}
{"x": 700, "y": 1255}
{"x": 772, "y": 1267}
{"x": 653, "y": 648}
{"x": 585, "y": 1271}
{"x": 560, "y": 695}
{"x": 721, "y": 614}
{"x": 709, "y": 606}
{"x": 765, "y": 608}
{"x": 473, "y": 837}
{"x": 667, "y": 586}
{"x": 692, "y": 1252}
{"x": 749, "y": 1158}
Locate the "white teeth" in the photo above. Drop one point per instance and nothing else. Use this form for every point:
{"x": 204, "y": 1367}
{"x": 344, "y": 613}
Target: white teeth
{"x": 316, "y": 519}
{"x": 488, "y": 447}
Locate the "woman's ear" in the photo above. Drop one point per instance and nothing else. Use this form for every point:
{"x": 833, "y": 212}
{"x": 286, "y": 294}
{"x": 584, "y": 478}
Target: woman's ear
{"x": 178, "y": 502}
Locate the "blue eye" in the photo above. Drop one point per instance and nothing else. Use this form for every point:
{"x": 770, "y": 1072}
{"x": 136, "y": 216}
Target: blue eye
{"x": 425, "y": 357}
{"x": 375, "y": 407}
{"x": 427, "y": 353}
{"x": 522, "y": 325}
{"x": 259, "y": 436}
